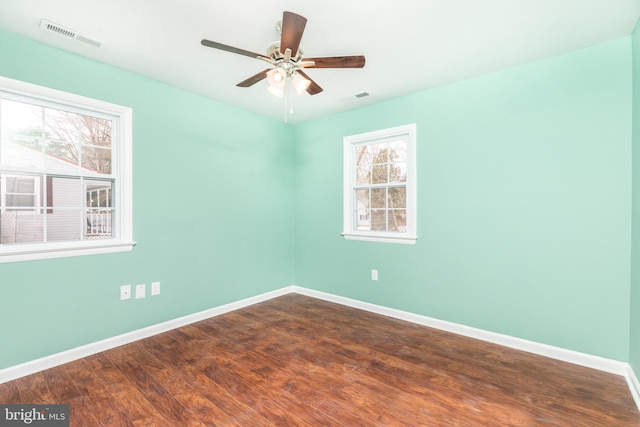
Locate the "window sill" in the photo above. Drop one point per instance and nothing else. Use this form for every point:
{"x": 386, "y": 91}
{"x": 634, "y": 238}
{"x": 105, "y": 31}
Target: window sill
{"x": 36, "y": 251}
{"x": 407, "y": 240}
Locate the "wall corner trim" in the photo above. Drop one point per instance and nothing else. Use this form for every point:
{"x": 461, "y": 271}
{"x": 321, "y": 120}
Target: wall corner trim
{"x": 634, "y": 385}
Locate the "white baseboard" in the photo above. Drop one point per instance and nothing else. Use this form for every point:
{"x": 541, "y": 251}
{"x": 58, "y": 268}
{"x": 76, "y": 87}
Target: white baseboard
{"x": 590, "y": 361}
{"x": 583, "y": 359}
{"x": 57, "y": 359}
{"x": 575, "y": 357}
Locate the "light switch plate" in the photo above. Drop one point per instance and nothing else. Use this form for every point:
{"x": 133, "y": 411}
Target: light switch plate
{"x": 140, "y": 291}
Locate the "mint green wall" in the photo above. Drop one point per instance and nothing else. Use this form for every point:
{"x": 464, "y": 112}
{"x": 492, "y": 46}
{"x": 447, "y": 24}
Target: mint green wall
{"x": 524, "y": 203}
{"x": 634, "y": 357}
{"x": 524, "y": 208}
{"x": 212, "y": 213}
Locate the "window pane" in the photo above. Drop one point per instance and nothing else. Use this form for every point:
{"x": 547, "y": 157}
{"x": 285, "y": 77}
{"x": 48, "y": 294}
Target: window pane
{"x": 379, "y": 220}
{"x": 363, "y": 175}
{"x": 64, "y": 213}
{"x": 397, "y": 197}
{"x": 398, "y": 220}
{"x": 61, "y": 155}
{"x": 98, "y": 223}
{"x": 363, "y": 219}
{"x": 21, "y": 143}
{"x": 362, "y": 216}
{"x": 398, "y": 172}
{"x": 380, "y": 152}
{"x": 21, "y": 123}
{"x": 64, "y": 224}
{"x": 19, "y": 226}
{"x": 379, "y": 174}
{"x": 363, "y": 155}
{"x": 64, "y": 192}
{"x": 362, "y": 198}
{"x": 98, "y": 193}
{"x": 398, "y": 151}
{"x": 95, "y": 131}
{"x": 99, "y": 215}
{"x": 97, "y": 159}
{"x": 62, "y": 125}
{"x": 379, "y": 198}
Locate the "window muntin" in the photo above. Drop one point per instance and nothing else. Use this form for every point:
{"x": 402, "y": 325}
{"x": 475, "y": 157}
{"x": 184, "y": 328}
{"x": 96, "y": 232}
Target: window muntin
{"x": 65, "y": 160}
{"x": 379, "y": 180}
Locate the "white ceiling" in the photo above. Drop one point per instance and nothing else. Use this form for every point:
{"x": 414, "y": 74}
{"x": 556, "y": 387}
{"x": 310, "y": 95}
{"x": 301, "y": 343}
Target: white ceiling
{"x": 409, "y": 44}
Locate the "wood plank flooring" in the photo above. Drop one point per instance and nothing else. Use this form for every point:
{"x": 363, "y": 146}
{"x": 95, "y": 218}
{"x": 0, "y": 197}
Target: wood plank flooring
{"x": 299, "y": 361}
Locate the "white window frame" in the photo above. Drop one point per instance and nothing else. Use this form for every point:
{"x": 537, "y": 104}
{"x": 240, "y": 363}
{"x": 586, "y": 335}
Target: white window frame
{"x": 122, "y": 239}
{"x": 350, "y": 143}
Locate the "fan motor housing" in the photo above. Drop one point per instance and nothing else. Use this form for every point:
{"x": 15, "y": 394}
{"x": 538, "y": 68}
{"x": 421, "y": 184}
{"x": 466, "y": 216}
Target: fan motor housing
{"x": 273, "y": 52}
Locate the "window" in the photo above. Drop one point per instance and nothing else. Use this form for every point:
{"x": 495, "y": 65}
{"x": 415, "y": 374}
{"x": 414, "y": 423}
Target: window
{"x": 380, "y": 185}
{"x": 65, "y": 174}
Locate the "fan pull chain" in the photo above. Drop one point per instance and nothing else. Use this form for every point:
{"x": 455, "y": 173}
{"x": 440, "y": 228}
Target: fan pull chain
{"x": 291, "y": 97}
{"x": 285, "y": 101}
{"x": 288, "y": 99}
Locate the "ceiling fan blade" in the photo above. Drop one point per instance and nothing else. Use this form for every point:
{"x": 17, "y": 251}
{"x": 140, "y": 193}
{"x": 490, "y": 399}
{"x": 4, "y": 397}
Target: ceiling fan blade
{"x": 254, "y": 79}
{"x": 232, "y": 49}
{"x": 313, "y": 88}
{"x": 353, "y": 61}
{"x": 292, "y": 29}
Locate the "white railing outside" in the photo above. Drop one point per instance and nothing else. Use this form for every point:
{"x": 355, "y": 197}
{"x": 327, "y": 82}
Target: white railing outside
{"x": 98, "y": 224}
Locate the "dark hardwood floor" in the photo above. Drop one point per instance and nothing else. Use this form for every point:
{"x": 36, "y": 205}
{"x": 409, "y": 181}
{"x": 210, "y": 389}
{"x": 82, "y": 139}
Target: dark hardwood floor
{"x": 299, "y": 361}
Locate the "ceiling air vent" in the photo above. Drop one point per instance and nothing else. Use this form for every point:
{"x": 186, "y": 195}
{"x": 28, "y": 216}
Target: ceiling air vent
{"x": 67, "y": 32}
{"x": 362, "y": 95}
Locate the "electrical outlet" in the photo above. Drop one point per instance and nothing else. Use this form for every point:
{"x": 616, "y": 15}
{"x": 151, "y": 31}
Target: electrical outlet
{"x": 374, "y": 274}
{"x": 125, "y": 292}
{"x": 155, "y": 288}
{"x": 140, "y": 291}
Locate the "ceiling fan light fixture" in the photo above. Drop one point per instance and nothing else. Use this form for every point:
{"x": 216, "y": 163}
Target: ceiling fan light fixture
{"x": 299, "y": 83}
{"x": 276, "y": 77}
{"x": 276, "y": 91}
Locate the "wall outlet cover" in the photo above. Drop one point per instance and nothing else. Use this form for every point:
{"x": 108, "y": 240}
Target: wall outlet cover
{"x": 125, "y": 292}
{"x": 140, "y": 291}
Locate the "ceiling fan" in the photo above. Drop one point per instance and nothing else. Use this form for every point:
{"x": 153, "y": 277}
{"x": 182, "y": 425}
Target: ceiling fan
{"x": 287, "y": 59}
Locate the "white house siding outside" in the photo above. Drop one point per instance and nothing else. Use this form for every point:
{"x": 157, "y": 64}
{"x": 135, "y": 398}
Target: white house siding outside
{"x": 73, "y": 208}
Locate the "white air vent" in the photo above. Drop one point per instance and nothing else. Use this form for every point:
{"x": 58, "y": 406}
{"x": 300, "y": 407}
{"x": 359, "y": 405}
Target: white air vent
{"x": 67, "y": 32}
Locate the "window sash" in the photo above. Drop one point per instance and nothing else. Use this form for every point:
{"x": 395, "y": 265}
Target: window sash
{"x": 44, "y": 141}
